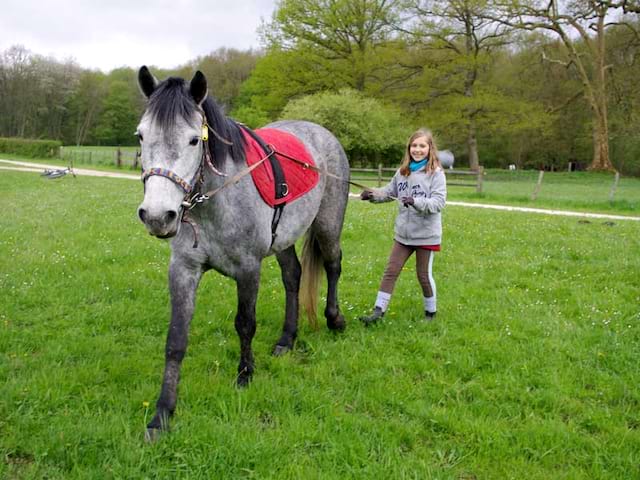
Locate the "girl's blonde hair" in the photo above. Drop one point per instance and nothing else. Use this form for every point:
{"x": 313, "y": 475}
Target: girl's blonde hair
{"x": 434, "y": 161}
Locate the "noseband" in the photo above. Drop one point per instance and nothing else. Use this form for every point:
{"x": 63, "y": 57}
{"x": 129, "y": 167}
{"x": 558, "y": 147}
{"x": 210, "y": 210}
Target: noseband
{"x": 163, "y": 172}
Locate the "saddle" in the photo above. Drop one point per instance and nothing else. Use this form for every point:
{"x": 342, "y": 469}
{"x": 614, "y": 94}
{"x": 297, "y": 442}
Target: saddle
{"x": 289, "y": 174}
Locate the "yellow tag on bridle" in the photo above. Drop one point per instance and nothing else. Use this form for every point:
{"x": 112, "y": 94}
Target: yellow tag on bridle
{"x": 205, "y": 132}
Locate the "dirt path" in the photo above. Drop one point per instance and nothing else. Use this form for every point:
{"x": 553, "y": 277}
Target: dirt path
{"x": 39, "y": 167}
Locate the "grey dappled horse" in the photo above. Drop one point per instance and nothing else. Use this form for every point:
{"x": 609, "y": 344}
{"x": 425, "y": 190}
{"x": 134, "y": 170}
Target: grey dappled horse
{"x": 232, "y": 229}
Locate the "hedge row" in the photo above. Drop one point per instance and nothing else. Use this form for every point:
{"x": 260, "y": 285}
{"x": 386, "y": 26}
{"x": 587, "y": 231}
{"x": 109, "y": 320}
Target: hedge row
{"x": 30, "y": 148}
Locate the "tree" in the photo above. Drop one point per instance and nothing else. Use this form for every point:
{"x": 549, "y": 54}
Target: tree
{"x": 345, "y": 33}
{"x": 226, "y": 69}
{"x": 462, "y": 31}
{"x": 121, "y": 110}
{"x": 577, "y": 24}
{"x": 86, "y": 106}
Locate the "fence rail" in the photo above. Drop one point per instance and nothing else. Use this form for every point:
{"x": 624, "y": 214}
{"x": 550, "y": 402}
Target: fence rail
{"x": 117, "y": 157}
{"x": 462, "y": 178}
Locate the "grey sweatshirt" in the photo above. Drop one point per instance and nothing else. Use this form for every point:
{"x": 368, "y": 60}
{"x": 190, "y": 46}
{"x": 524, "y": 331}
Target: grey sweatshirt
{"x": 420, "y": 223}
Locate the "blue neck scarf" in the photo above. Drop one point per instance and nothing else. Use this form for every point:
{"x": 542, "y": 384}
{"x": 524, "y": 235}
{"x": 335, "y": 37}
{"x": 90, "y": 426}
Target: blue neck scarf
{"x": 415, "y": 166}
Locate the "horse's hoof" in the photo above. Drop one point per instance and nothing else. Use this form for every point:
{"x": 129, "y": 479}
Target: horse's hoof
{"x": 337, "y": 324}
{"x": 152, "y": 435}
{"x": 280, "y": 350}
{"x": 244, "y": 378}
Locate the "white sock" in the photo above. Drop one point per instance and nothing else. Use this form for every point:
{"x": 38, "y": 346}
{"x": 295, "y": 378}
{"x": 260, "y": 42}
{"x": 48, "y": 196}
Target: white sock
{"x": 430, "y": 303}
{"x": 382, "y": 300}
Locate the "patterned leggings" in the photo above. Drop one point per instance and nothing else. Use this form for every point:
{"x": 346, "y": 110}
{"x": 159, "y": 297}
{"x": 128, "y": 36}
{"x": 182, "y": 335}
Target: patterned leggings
{"x": 399, "y": 255}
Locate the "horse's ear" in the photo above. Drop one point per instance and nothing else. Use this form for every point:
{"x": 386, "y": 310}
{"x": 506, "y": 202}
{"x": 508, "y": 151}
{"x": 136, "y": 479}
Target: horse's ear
{"x": 146, "y": 81}
{"x": 198, "y": 87}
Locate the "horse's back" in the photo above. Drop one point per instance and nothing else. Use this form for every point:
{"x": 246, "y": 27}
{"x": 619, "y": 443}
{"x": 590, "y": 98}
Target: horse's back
{"x": 323, "y": 145}
{"x": 330, "y": 157}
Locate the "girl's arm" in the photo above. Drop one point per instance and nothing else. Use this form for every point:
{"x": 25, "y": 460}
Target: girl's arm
{"x": 387, "y": 193}
{"x": 438, "y": 197}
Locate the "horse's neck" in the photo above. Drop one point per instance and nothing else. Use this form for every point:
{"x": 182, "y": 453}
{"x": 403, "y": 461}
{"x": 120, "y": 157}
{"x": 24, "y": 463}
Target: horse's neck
{"x": 222, "y": 183}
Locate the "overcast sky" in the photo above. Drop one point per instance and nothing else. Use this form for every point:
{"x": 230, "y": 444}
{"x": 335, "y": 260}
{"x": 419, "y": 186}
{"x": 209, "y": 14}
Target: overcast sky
{"x": 106, "y": 34}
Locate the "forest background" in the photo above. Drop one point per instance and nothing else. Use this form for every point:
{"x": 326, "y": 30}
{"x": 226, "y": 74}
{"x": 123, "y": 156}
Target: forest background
{"x": 535, "y": 84}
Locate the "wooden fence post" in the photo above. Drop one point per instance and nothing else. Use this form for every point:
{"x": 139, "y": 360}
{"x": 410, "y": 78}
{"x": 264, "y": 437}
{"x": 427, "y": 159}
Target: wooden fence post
{"x": 614, "y": 187}
{"x": 479, "y": 179}
{"x": 119, "y": 158}
{"x": 379, "y": 175}
{"x": 534, "y": 195}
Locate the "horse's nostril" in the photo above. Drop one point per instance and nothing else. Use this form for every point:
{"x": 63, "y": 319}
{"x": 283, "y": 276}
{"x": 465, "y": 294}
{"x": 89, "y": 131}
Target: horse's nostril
{"x": 142, "y": 213}
{"x": 171, "y": 215}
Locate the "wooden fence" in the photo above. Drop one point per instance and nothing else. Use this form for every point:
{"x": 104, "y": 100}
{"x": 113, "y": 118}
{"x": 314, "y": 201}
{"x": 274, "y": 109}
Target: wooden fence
{"x": 461, "y": 178}
{"x": 117, "y": 157}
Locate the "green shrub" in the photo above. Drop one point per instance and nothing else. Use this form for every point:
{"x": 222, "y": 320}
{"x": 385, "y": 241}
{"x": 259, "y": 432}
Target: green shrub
{"x": 369, "y": 131}
{"x": 31, "y": 148}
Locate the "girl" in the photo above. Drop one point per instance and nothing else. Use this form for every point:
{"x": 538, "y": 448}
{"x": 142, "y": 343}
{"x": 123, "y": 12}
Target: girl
{"x": 420, "y": 187}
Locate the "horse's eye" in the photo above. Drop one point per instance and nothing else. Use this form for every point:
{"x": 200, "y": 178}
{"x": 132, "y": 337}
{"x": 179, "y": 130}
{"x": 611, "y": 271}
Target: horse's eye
{"x": 194, "y": 141}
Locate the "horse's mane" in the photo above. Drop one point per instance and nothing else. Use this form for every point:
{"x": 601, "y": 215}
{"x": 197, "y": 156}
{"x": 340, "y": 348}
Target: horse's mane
{"x": 172, "y": 99}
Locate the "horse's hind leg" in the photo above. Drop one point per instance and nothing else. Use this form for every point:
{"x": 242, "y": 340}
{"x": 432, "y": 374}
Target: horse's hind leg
{"x": 328, "y": 248}
{"x": 333, "y": 267}
{"x": 291, "y": 271}
{"x": 183, "y": 283}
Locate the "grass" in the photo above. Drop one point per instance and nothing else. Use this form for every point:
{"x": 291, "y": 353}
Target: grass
{"x": 530, "y": 369}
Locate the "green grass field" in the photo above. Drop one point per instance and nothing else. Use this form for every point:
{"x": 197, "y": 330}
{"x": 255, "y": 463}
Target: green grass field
{"x": 530, "y": 370}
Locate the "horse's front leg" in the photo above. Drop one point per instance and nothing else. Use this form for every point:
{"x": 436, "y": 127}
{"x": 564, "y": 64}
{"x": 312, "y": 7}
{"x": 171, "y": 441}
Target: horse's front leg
{"x": 247, "y": 285}
{"x": 183, "y": 283}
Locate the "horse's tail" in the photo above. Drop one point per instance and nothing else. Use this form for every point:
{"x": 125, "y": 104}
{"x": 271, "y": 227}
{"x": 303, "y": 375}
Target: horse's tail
{"x": 310, "y": 283}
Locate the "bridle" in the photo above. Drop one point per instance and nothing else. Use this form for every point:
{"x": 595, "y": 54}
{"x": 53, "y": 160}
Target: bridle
{"x": 192, "y": 194}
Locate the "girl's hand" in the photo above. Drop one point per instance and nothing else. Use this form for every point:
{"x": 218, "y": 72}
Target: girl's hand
{"x": 406, "y": 201}
{"x": 366, "y": 195}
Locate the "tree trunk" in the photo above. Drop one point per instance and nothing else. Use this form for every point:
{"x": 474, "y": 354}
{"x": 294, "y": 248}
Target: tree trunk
{"x": 601, "y": 160}
{"x": 599, "y": 108}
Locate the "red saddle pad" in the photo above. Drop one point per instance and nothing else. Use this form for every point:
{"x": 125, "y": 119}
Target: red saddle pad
{"x": 299, "y": 178}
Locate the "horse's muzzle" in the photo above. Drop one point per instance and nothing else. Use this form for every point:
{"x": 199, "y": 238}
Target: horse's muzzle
{"x": 162, "y": 224}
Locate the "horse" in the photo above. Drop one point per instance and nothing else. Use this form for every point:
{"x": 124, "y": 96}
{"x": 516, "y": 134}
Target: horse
{"x": 229, "y": 229}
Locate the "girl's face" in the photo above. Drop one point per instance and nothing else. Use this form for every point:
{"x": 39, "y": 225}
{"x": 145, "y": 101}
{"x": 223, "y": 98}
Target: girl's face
{"x": 419, "y": 148}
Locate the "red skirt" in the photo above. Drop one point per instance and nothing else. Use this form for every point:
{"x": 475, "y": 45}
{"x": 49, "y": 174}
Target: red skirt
{"x": 433, "y": 248}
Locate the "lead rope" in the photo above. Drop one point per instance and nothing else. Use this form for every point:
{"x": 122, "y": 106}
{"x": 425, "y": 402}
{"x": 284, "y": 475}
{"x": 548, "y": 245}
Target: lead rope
{"x": 327, "y": 173}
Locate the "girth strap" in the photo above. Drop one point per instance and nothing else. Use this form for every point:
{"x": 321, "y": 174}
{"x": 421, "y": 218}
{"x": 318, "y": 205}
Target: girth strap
{"x": 282, "y": 189}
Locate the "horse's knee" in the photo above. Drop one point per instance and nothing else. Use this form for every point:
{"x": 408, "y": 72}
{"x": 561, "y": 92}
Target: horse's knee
{"x": 176, "y": 354}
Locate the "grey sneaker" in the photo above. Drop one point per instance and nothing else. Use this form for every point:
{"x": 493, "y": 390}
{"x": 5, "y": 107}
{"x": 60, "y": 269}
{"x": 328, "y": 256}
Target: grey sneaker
{"x": 373, "y": 318}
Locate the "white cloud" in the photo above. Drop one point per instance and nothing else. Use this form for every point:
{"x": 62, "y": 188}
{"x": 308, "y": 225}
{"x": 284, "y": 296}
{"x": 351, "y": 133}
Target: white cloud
{"x": 113, "y": 33}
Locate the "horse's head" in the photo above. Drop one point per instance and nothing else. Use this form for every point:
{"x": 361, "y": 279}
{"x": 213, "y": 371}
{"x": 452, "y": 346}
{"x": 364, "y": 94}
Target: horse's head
{"x": 171, "y": 142}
